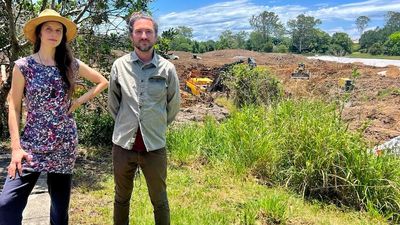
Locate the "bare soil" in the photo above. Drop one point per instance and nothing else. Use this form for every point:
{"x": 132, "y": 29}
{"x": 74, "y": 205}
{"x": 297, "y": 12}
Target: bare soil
{"x": 374, "y": 103}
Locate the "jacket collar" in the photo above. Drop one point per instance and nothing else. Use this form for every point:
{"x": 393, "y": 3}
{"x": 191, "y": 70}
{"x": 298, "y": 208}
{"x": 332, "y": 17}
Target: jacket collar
{"x": 154, "y": 60}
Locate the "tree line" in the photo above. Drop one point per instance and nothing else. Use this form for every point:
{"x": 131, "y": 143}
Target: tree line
{"x": 300, "y": 35}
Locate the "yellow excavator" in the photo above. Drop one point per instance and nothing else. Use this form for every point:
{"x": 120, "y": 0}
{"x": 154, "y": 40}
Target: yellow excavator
{"x": 346, "y": 84}
{"x": 196, "y": 86}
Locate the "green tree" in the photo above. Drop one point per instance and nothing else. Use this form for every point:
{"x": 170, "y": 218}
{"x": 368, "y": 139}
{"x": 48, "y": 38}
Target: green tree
{"x": 320, "y": 41}
{"x": 240, "y": 39}
{"x": 183, "y": 39}
{"x": 373, "y": 40}
{"x": 376, "y": 49}
{"x": 226, "y": 40}
{"x": 302, "y": 29}
{"x": 392, "y": 45}
{"x": 164, "y": 42}
{"x": 196, "y": 47}
{"x": 344, "y": 41}
{"x": 255, "y": 41}
{"x": 202, "y": 47}
{"x": 370, "y": 37}
{"x": 392, "y": 22}
{"x": 185, "y": 31}
{"x": 267, "y": 24}
{"x": 209, "y": 45}
{"x": 362, "y": 23}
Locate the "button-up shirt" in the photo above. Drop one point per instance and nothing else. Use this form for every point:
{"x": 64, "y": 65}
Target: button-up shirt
{"x": 145, "y": 95}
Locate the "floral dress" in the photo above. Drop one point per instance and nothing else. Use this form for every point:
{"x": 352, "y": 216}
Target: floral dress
{"x": 50, "y": 133}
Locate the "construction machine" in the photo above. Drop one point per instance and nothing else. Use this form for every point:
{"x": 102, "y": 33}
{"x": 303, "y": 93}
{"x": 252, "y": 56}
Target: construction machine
{"x": 252, "y": 62}
{"x": 197, "y": 86}
{"x": 301, "y": 72}
{"x": 346, "y": 84}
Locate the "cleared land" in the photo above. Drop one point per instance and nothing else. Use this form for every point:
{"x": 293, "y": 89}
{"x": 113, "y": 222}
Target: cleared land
{"x": 372, "y": 104}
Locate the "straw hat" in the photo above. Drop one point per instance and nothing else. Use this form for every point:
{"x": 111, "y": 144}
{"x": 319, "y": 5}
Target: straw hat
{"x": 46, "y": 16}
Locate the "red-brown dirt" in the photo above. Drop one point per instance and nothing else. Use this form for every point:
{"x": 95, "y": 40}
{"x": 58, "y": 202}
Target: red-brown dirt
{"x": 373, "y": 103}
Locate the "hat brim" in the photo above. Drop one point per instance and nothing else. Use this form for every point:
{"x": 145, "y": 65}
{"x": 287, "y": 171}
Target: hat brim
{"x": 30, "y": 27}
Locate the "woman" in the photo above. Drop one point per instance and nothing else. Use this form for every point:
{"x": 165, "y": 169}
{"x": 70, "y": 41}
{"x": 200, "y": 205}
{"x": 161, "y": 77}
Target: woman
{"x": 49, "y": 140}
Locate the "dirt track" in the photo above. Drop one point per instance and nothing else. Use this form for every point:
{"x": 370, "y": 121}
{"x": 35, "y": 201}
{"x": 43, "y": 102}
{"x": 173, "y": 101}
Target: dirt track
{"x": 375, "y": 100}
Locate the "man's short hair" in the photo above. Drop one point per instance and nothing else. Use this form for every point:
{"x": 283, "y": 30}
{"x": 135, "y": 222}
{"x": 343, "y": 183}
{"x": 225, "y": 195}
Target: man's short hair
{"x": 141, "y": 15}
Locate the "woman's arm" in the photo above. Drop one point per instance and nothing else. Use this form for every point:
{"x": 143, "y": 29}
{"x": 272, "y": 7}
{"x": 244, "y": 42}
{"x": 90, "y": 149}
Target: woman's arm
{"x": 14, "y": 112}
{"x": 92, "y": 75}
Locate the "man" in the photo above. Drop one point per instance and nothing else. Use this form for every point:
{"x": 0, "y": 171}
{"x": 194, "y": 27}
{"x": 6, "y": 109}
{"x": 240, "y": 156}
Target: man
{"x": 143, "y": 99}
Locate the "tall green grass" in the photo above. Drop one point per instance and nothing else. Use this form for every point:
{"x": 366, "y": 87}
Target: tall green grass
{"x": 301, "y": 145}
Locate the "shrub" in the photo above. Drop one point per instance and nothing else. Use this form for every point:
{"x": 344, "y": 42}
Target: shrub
{"x": 95, "y": 126}
{"x": 393, "y": 44}
{"x": 376, "y": 49}
{"x": 268, "y": 47}
{"x": 281, "y": 49}
{"x": 363, "y": 50}
{"x": 337, "y": 50}
{"x": 255, "y": 86}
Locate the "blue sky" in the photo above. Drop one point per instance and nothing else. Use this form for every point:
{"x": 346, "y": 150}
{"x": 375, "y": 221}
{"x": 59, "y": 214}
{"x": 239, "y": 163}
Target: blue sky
{"x": 208, "y": 18}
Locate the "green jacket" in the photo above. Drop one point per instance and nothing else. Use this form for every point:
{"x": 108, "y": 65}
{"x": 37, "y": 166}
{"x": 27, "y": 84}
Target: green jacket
{"x": 145, "y": 96}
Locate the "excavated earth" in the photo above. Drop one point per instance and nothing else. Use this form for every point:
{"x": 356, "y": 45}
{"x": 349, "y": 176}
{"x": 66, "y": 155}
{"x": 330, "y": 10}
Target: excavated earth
{"x": 374, "y": 103}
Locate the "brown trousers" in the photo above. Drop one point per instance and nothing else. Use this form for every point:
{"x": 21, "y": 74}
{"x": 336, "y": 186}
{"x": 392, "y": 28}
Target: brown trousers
{"x": 154, "y": 167}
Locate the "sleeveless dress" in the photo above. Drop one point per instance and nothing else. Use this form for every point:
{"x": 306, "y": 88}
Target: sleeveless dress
{"x": 50, "y": 133}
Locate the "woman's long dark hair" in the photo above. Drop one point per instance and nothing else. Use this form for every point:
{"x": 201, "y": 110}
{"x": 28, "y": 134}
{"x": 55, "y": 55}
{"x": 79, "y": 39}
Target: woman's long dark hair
{"x": 63, "y": 58}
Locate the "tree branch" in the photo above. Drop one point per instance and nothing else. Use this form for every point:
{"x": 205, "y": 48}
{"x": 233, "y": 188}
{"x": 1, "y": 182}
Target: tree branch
{"x": 83, "y": 11}
{"x": 5, "y": 48}
{"x": 12, "y": 31}
{"x": 18, "y": 14}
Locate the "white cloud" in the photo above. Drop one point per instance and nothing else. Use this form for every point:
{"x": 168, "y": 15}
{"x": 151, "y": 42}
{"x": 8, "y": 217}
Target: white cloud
{"x": 209, "y": 21}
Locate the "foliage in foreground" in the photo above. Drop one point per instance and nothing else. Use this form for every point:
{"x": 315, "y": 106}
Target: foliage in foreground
{"x": 95, "y": 126}
{"x": 301, "y": 145}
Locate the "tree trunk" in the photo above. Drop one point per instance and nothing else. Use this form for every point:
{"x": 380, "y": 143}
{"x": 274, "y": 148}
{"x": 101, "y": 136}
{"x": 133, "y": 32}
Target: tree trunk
{"x": 5, "y": 88}
{"x": 300, "y": 49}
{"x": 3, "y": 109}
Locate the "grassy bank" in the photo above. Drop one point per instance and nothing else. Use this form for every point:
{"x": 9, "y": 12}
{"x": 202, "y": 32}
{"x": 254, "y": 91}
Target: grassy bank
{"x": 207, "y": 195}
{"x": 369, "y": 56}
{"x": 256, "y": 168}
{"x": 303, "y": 146}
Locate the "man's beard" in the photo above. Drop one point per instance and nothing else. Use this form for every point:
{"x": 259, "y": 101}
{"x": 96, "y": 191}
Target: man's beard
{"x": 144, "y": 48}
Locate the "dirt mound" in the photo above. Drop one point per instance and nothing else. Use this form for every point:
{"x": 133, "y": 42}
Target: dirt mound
{"x": 373, "y": 103}
{"x": 393, "y": 71}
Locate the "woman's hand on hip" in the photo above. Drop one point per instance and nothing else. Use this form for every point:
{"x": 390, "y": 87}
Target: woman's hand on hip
{"x": 74, "y": 105}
